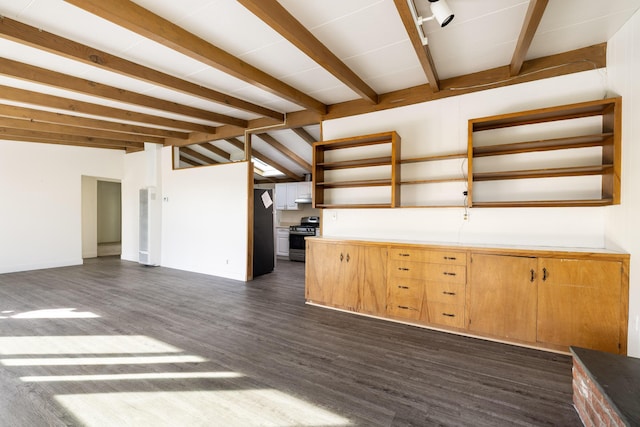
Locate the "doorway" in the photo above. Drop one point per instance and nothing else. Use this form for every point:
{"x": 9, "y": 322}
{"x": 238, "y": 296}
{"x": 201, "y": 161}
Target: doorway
{"x": 101, "y": 217}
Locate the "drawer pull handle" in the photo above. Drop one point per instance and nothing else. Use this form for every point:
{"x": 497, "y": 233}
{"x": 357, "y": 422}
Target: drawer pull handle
{"x": 404, "y": 307}
{"x": 446, "y": 273}
{"x": 448, "y": 314}
{"x": 545, "y": 274}
{"x": 403, "y": 269}
{"x": 341, "y": 257}
{"x": 533, "y": 276}
{"x": 450, "y": 258}
{"x": 403, "y": 287}
{"x": 347, "y": 257}
{"x": 404, "y": 254}
{"x": 448, "y": 293}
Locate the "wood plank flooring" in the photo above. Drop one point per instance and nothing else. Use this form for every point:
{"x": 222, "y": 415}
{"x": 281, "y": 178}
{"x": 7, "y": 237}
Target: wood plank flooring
{"x": 113, "y": 343}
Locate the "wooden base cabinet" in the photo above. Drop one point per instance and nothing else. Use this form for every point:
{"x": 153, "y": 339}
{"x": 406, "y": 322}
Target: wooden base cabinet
{"x": 346, "y": 276}
{"x": 540, "y": 298}
{"x": 554, "y": 302}
{"x": 579, "y": 302}
{"x": 503, "y": 294}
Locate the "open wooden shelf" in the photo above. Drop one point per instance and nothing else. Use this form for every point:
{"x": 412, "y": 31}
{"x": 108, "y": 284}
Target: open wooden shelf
{"x": 355, "y": 205}
{"x": 357, "y": 163}
{"x": 390, "y": 142}
{"x": 432, "y": 181}
{"x": 434, "y": 158}
{"x": 544, "y": 145}
{"x": 351, "y": 184}
{"x": 609, "y": 167}
{"x": 543, "y": 173}
{"x": 543, "y": 203}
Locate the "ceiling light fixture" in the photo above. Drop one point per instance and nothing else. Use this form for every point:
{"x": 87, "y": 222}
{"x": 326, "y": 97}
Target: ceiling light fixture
{"x": 440, "y": 10}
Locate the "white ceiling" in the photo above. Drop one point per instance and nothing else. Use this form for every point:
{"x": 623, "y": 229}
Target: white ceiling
{"x": 367, "y": 35}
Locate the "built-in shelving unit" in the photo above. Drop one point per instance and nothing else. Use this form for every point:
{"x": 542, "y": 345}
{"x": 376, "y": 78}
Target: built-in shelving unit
{"x": 565, "y": 156}
{"x": 575, "y": 137}
{"x": 366, "y": 162}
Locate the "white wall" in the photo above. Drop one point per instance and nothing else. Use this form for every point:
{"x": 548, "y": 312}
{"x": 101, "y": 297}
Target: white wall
{"x": 623, "y": 63}
{"x": 40, "y": 201}
{"x": 204, "y": 218}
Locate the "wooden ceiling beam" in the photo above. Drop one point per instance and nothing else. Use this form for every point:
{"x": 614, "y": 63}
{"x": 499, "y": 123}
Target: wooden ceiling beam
{"x": 35, "y": 74}
{"x": 193, "y": 153}
{"x": 295, "y": 119}
{"x": 135, "y": 18}
{"x": 306, "y": 136}
{"x": 215, "y": 150}
{"x": 529, "y": 27}
{"x": 422, "y": 50}
{"x": 575, "y": 61}
{"x": 12, "y": 123}
{"x": 278, "y": 18}
{"x": 284, "y": 150}
{"x": 84, "y": 122}
{"x": 63, "y": 139}
{"x": 189, "y": 161}
{"x": 33, "y": 139}
{"x": 67, "y": 104}
{"x": 238, "y": 144}
{"x": 34, "y": 37}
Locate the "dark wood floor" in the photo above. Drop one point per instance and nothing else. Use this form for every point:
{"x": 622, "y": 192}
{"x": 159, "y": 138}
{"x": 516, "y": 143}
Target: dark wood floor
{"x": 266, "y": 358}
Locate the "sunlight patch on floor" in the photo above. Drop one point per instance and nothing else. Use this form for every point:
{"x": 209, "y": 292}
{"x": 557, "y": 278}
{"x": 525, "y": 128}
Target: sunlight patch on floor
{"x": 198, "y": 408}
{"x": 84, "y": 344}
{"x": 133, "y": 376}
{"x": 80, "y": 361}
{"x": 52, "y": 313}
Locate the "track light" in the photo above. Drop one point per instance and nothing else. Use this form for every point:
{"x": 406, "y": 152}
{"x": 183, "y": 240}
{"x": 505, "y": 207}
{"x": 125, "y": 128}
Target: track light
{"x": 441, "y": 12}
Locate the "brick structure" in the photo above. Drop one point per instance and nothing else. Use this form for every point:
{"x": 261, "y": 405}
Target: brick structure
{"x": 606, "y": 388}
{"x": 594, "y": 407}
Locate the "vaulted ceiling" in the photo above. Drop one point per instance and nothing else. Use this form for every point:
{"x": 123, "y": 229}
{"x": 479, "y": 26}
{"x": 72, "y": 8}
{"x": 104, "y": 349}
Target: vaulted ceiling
{"x": 208, "y": 75}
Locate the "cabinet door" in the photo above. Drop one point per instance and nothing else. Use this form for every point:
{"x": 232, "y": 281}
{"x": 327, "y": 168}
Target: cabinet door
{"x": 373, "y": 280}
{"x": 502, "y": 296}
{"x": 579, "y": 303}
{"x": 322, "y": 271}
{"x": 346, "y": 289}
{"x": 333, "y": 274}
{"x": 282, "y": 242}
{"x": 281, "y": 197}
{"x": 292, "y": 195}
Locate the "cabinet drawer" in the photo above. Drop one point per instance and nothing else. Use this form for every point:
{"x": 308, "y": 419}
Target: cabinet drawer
{"x": 446, "y": 314}
{"x": 448, "y": 293}
{"x": 424, "y": 255}
{"x": 406, "y": 270}
{"x": 405, "y": 287}
{"x": 406, "y": 306}
{"x": 445, "y": 273}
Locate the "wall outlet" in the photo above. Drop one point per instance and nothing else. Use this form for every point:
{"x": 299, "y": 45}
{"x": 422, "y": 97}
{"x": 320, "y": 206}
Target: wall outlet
{"x": 466, "y": 216}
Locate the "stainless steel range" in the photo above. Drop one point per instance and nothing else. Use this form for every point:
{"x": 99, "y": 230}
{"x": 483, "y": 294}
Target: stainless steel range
{"x": 297, "y": 233}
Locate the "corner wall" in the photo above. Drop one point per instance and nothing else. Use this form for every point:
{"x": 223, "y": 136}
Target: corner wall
{"x": 41, "y": 201}
{"x": 204, "y": 218}
{"x": 623, "y": 59}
